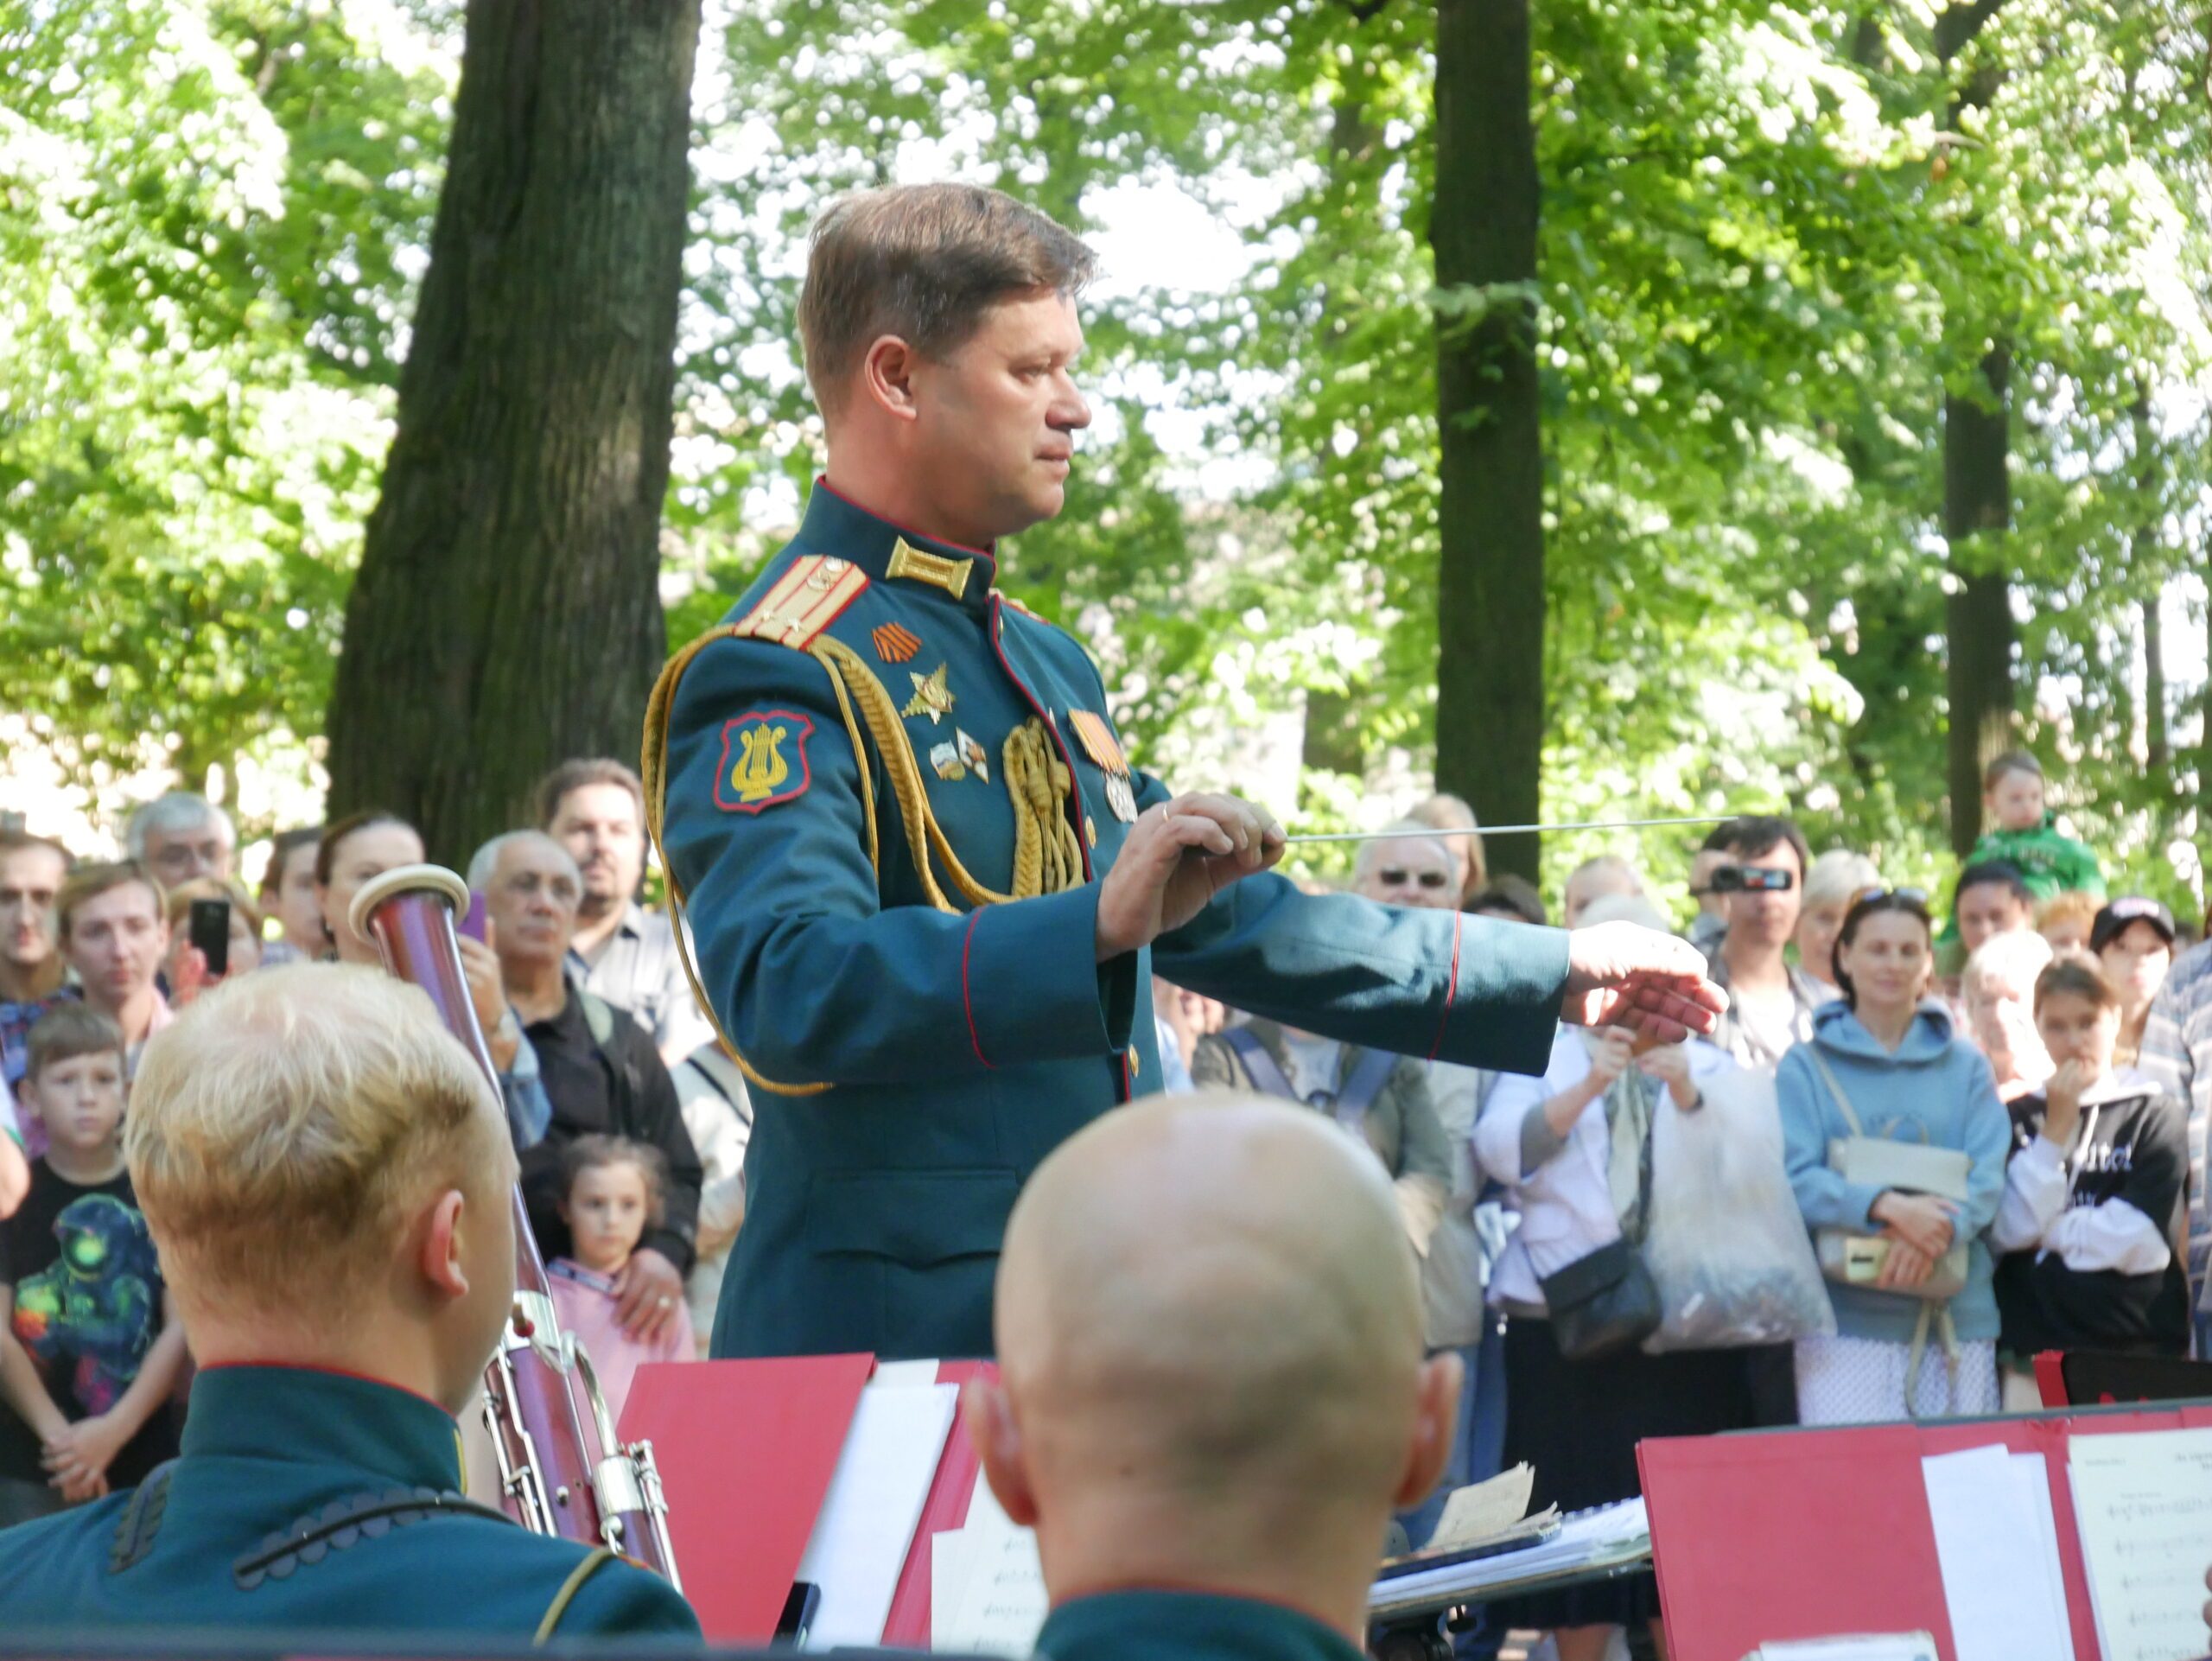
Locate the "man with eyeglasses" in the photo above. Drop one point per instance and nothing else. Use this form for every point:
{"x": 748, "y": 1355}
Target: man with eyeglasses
{"x": 601, "y": 1072}
{"x": 181, "y": 837}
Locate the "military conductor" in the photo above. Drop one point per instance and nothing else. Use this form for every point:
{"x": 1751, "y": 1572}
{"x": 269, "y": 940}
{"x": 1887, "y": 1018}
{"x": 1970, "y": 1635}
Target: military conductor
{"x": 927, "y": 886}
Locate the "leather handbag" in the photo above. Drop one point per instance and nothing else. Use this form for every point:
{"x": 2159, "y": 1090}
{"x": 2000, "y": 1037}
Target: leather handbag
{"x": 1853, "y": 1258}
{"x": 1603, "y": 1304}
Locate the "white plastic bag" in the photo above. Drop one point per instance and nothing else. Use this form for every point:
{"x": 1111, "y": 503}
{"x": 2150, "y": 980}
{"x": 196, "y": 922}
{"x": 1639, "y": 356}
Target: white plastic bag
{"x": 1725, "y": 1241}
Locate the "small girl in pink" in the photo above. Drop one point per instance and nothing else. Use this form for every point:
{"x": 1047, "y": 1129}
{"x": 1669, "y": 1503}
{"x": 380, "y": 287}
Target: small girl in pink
{"x": 614, "y": 1189}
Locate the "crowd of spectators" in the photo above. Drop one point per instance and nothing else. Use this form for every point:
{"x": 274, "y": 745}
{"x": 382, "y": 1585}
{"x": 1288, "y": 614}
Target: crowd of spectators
{"x": 630, "y": 1121}
{"x": 2042, "y": 1042}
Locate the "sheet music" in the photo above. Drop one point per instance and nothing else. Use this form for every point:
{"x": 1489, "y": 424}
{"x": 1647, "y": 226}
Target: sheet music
{"x": 1998, "y": 1546}
{"x": 987, "y": 1588}
{"x": 2143, "y": 1504}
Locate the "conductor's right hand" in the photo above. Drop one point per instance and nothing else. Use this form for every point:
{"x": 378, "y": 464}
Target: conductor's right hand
{"x": 1178, "y": 856}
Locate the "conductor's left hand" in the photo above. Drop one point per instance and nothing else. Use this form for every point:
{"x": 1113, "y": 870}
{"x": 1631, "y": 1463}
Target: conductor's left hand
{"x": 1178, "y": 856}
{"x": 1619, "y": 975}
{"x": 646, "y": 1293}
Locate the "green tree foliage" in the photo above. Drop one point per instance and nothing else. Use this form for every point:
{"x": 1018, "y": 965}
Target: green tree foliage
{"x": 1766, "y": 249}
{"x": 206, "y": 214}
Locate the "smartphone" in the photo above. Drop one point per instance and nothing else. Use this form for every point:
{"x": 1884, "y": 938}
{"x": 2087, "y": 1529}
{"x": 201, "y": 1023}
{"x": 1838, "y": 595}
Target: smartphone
{"x": 473, "y": 920}
{"x": 210, "y": 934}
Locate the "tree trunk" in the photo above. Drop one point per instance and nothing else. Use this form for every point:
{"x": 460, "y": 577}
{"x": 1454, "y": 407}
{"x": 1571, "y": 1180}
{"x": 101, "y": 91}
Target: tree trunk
{"x": 507, "y": 613}
{"x": 1332, "y": 740}
{"x": 1489, "y": 672}
{"x": 1977, "y": 514}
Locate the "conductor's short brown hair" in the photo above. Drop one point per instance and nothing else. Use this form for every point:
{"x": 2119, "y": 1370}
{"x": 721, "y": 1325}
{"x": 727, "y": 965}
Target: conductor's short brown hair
{"x": 924, "y": 263}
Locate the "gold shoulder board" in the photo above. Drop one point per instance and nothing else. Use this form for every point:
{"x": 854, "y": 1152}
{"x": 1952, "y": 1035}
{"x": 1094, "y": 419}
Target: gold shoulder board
{"x": 805, "y": 601}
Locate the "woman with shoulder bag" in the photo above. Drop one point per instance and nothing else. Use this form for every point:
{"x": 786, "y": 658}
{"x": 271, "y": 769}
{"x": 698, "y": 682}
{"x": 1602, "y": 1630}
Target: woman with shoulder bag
{"x": 1895, "y": 1143}
{"x": 1574, "y": 1149}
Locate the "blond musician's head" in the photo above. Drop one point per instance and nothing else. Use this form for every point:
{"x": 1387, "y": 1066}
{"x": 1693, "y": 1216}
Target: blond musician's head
{"x": 325, "y": 1170}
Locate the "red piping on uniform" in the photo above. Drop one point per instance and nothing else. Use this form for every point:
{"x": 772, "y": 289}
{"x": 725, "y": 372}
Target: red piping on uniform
{"x": 1452, "y": 986}
{"x": 967, "y": 1003}
{"x": 823, "y": 483}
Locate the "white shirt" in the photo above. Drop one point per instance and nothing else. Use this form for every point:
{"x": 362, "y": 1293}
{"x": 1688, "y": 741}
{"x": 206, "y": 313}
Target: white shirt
{"x": 1567, "y": 1203}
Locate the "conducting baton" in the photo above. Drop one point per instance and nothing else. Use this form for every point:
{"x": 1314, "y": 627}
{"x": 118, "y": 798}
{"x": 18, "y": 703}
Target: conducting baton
{"x": 1502, "y": 829}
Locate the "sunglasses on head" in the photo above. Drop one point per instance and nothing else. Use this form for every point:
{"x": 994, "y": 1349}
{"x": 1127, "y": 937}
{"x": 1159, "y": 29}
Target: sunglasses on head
{"x": 1396, "y": 876}
{"x": 1911, "y": 896}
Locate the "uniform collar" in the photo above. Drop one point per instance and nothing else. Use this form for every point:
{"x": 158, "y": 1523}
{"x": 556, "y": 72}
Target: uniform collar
{"x": 1138, "y": 1625}
{"x": 893, "y": 553}
{"x": 311, "y": 1416}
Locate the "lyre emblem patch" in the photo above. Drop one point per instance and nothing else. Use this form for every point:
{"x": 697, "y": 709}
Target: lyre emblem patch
{"x": 764, "y": 760}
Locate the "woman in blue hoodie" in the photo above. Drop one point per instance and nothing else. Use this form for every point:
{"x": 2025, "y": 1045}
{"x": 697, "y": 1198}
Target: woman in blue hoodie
{"x": 1910, "y": 1079}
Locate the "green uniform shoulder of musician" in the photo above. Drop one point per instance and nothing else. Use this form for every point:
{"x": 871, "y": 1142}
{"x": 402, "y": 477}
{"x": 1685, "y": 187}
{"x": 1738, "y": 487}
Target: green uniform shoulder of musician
{"x": 926, "y": 882}
{"x": 326, "y": 1172}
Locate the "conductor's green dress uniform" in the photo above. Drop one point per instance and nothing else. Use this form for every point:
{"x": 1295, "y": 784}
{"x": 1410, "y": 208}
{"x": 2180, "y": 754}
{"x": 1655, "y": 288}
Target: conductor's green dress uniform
{"x": 886, "y": 798}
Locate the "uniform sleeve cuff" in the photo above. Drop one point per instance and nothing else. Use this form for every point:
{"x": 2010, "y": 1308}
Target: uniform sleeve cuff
{"x": 1033, "y": 988}
{"x": 1504, "y": 1011}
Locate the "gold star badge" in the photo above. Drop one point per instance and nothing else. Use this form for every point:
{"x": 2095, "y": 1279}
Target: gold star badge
{"x": 932, "y": 696}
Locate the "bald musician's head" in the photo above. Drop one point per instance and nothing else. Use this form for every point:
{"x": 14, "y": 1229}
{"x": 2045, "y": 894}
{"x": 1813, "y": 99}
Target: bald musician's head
{"x": 1209, "y": 1348}
{"x": 326, "y": 1172}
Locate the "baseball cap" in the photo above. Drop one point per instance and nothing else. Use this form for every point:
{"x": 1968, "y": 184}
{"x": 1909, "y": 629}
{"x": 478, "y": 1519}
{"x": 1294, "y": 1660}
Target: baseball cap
{"x": 2119, "y": 913}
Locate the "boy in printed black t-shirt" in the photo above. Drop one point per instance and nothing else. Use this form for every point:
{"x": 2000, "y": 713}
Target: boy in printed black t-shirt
{"x": 89, "y": 1351}
{"x": 2092, "y": 1191}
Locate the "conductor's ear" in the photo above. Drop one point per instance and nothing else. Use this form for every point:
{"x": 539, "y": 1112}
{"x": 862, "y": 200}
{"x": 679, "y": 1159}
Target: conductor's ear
{"x": 989, "y": 1416}
{"x": 887, "y": 376}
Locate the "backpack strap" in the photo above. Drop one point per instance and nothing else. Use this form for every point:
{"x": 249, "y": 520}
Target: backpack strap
{"x": 1362, "y": 1085}
{"x": 721, "y": 1073}
{"x": 1261, "y": 1068}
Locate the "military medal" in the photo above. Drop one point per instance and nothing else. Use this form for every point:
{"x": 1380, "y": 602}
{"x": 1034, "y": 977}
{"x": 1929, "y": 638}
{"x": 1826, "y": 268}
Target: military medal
{"x": 1105, "y": 751}
{"x": 958, "y": 756}
{"x": 932, "y": 696}
{"x": 972, "y": 756}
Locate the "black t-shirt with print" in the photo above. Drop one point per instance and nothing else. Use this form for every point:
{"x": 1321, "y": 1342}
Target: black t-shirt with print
{"x": 2131, "y": 1148}
{"x": 86, "y": 1306}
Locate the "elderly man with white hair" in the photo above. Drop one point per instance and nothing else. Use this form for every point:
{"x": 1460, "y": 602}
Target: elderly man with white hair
{"x": 601, "y": 1072}
{"x": 181, "y": 836}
